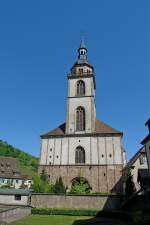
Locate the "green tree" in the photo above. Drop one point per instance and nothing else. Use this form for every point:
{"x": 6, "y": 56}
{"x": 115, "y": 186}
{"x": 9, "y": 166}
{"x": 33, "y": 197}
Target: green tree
{"x": 42, "y": 186}
{"x": 80, "y": 186}
{"x": 44, "y": 176}
{"x": 129, "y": 184}
{"x": 59, "y": 186}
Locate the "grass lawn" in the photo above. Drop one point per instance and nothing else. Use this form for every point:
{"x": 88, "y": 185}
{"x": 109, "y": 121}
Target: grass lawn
{"x": 49, "y": 220}
{"x": 68, "y": 220}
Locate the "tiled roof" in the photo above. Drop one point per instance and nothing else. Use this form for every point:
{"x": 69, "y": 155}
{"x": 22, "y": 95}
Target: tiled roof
{"x": 9, "y": 168}
{"x": 101, "y": 128}
{"x": 14, "y": 191}
{"x": 104, "y": 128}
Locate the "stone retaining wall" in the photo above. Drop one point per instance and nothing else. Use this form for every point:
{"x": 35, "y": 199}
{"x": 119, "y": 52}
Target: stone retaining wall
{"x": 15, "y": 213}
{"x": 72, "y": 201}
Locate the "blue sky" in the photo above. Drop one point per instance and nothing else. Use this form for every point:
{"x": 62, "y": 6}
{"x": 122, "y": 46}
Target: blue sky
{"x": 38, "y": 43}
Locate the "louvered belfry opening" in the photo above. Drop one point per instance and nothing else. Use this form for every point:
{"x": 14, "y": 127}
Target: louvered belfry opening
{"x": 80, "y": 119}
{"x": 80, "y": 87}
{"x": 79, "y": 155}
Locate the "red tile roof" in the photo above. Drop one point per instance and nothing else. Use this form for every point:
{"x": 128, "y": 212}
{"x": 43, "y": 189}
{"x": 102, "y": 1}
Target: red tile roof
{"x": 101, "y": 128}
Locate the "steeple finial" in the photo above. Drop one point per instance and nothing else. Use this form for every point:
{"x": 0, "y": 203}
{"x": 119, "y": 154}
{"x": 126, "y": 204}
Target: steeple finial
{"x": 82, "y": 43}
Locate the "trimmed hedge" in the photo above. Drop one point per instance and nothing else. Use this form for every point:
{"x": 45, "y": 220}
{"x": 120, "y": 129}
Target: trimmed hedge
{"x": 94, "y": 194}
{"x": 68, "y": 212}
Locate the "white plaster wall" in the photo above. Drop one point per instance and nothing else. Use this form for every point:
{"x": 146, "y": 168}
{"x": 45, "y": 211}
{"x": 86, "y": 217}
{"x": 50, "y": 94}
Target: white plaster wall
{"x": 89, "y": 86}
{"x": 118, "y": 156}
{"x": 94, "y": 151}
{"x": 87, "y": 102}
{"x": 74, "y": 143}
{"x": 50, "y": 151}
{"x": 65, "y": 151}
{"x": 97, "y": 150}
{"x": 88, "y": 105}
{"x": 10, "y": 199}
{"x": 44, "y": 144}
{"x": 57, "y": 151}
{"x": 109, "y": 150}
{"x": 102, "y": 151}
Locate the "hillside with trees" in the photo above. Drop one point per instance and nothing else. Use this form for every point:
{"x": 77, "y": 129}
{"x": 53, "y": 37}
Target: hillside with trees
{"x": 28, "y": 163}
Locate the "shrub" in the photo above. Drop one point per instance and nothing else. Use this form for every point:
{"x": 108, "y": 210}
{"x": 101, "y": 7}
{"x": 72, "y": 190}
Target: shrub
{"x": 59, "y": 186}
{"x": 69, "y": 212}
{"x": 80, "y": 186}
{"x": 130, "y": 186}
{"x": 44, "y": 176}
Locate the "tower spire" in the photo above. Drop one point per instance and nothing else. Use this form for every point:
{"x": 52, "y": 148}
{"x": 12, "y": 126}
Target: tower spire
{"x": 82, "y": 52}
{"x": 82, "y": 43}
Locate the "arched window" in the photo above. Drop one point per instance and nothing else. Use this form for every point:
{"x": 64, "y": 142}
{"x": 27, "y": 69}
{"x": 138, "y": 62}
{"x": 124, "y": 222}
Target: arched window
{"x": 80, "y": 119}
{"x": 80, "y": 155}
{"x": 80, "y": 87}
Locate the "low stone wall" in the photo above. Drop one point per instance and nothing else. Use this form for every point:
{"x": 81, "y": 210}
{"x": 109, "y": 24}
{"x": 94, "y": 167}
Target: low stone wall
{"x": 76, "y": 201}
{"x": 16, "y": 213}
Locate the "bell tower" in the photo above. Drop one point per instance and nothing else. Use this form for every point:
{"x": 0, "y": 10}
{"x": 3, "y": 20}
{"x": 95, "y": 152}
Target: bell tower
{"x": 81, "y": 111}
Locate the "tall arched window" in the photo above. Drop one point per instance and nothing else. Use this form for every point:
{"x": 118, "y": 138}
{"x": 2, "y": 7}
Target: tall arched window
{"x": 80, "y": 87}
{"x": 80, "y": 119}
{"x": 79, "y": 155}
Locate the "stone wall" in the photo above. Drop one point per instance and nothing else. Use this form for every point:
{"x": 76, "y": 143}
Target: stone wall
{"x": 13, "y": 214}
{"x": 106, "y": 178}
{"x": 71, "y": 201}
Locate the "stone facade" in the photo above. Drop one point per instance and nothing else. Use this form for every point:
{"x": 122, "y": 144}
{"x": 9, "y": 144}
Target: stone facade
{"x": 101, "y": 156}
{"x": 106, "y": 178}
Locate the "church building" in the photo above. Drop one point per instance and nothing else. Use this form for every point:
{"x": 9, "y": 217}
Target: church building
{"x": 83, "y": 146}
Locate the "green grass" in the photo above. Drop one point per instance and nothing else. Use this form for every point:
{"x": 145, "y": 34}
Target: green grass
{"x": 49, "y": 220}
{"x": 68, "y": 220}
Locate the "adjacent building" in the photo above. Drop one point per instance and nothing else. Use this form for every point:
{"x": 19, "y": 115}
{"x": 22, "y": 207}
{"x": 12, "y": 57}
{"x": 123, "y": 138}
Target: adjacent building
{"x": 146, "y": 143}
{"x": 15, "y": 197}
{"x": 10, "y": 172}
{"x": 83, "y": 145}
{"x": 137, "y": 163}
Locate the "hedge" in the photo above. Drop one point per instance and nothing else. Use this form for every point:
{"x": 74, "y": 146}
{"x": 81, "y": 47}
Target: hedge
{"x": 68, "y": 212}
